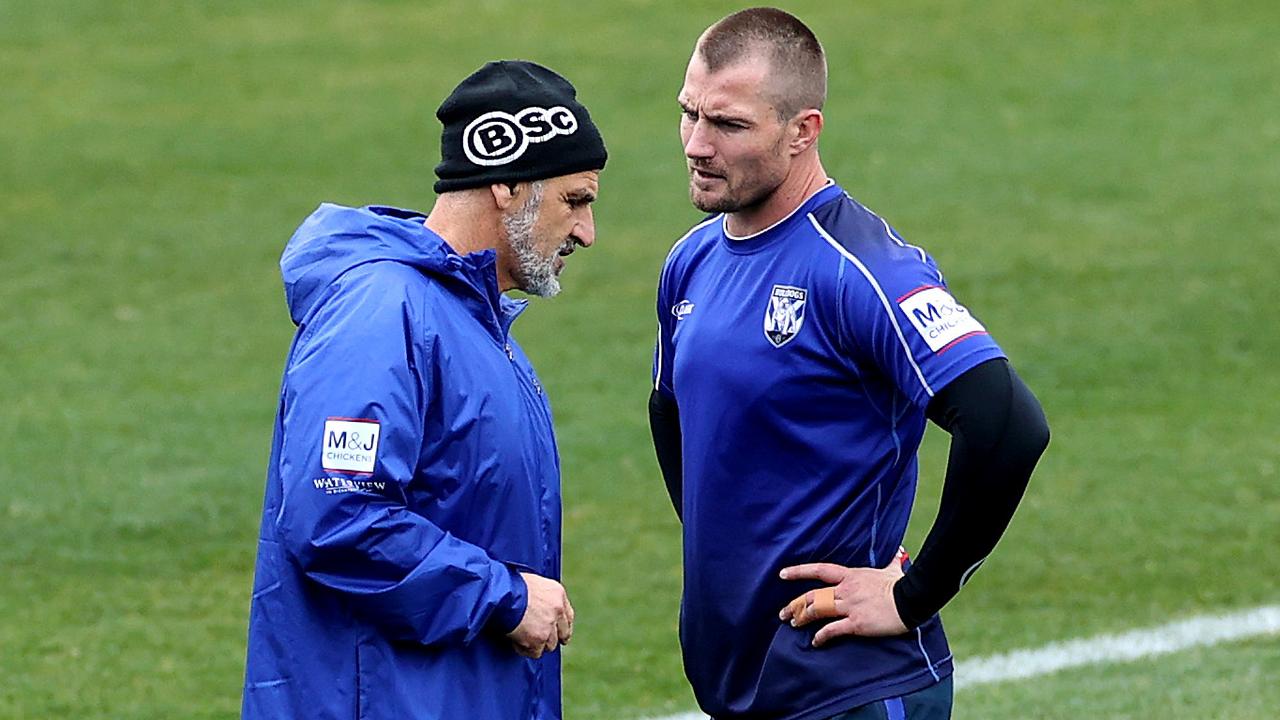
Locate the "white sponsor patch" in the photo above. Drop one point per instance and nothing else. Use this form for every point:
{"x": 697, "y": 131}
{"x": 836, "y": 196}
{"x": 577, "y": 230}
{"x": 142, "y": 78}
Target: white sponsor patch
{"x": 938, "y": 318}
{"x": 350, "y": 445}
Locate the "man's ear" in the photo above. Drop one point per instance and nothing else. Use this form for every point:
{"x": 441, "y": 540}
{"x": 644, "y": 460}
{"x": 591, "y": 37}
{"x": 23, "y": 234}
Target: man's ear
{"x": 806, "y": 127}
{"x": 504, "y": 194}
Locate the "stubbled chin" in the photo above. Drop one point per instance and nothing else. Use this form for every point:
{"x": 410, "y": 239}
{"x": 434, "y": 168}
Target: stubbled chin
{"x": 703, "y": 198}
{"x": 702, "y": 187}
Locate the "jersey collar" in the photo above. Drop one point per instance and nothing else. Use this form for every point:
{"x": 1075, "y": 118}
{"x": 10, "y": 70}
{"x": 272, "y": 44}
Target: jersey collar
{"x": 757, "y": 240}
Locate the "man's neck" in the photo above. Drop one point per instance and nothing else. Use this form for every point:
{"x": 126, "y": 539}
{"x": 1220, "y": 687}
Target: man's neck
{"x": 468, "y": 231}
{"x": 804, "y": 180}
{"x": 461, "y": 221}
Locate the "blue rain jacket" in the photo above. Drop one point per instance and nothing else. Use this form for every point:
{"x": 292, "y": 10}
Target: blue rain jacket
{"x": 413, "y": 474}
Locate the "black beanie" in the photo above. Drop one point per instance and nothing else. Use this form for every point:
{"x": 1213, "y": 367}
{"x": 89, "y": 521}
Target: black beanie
{"x": 513, "y": 121}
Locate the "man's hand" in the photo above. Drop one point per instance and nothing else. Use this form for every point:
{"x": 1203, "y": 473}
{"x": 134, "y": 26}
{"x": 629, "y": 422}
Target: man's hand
{"x": 547, "y": 621}
{"x": 861, "y": 597}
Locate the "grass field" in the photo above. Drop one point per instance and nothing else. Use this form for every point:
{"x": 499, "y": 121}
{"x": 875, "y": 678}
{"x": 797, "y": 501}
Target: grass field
{"x": 1100, "y": 180}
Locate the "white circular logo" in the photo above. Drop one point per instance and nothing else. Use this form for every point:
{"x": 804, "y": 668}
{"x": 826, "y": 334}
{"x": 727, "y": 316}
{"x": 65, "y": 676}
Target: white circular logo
{"x": 497, "y": 137}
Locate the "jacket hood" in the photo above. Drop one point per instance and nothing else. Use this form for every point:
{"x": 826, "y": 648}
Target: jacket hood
{"x": 334, "y": 239}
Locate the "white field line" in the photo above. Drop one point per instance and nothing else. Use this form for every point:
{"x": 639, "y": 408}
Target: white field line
{"x": 1124, "y": 647}
{"x": 1201, "y": 630}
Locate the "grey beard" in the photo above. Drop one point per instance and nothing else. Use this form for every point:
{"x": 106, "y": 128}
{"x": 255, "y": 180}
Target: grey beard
{"x": 534, "y": 273}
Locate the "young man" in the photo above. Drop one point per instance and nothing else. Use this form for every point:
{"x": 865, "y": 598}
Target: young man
{"x": 409, "y": 555}
{"x": 802, "y": 344}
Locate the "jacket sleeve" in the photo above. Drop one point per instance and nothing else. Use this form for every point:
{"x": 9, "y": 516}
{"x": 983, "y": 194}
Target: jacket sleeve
{"x": 352, "y": 427}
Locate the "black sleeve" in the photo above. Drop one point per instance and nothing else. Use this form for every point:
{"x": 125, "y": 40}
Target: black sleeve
{"x": 998, "y": 432}
{"x": 664, "y": 421}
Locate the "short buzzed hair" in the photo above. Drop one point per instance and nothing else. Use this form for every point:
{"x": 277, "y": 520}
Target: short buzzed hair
{"x": 797, "y": 63}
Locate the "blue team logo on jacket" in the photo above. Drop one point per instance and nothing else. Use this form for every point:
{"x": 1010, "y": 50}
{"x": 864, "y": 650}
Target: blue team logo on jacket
{"x": 785, "y": 314}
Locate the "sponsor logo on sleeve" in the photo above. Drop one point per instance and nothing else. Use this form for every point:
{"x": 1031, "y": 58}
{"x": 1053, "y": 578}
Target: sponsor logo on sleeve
{"x": 497, "y": 137}
{"x": 784, "y": 315}
{"x": 350, "y": 445}
{"x": 939, "y": 319}
{"x": 344, "y": 485}
{"x": 682, "y": 309}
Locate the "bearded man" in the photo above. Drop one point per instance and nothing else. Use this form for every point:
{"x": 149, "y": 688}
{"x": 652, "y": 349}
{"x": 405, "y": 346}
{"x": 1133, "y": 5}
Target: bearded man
{"x": 409, "y": 556}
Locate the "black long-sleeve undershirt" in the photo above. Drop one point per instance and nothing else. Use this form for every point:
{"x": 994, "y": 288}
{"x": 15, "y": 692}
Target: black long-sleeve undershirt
{"x": 664, "y": 423}
{"x": 998, "y": 434}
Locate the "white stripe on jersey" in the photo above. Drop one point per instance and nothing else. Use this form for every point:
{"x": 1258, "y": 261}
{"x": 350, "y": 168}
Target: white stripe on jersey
{"x": 657, "y": 375}
{"x": 692, "y": 230}
{"x": 879, "y": 292}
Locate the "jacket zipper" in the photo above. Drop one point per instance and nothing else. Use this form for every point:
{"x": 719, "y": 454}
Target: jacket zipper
{"x": 539, "y": 409}
{"x": 537, "y": 386}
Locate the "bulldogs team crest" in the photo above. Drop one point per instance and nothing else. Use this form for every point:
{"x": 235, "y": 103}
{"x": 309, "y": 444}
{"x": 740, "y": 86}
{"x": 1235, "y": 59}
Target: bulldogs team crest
{"x": 785, "y": 315}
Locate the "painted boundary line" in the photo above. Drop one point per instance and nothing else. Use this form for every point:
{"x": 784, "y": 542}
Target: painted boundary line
{"x": 1201, "y": 630}
{"x": 1124, "y": 647}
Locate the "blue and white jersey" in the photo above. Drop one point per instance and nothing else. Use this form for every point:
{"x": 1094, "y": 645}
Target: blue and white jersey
{"x": 802, "y": 359}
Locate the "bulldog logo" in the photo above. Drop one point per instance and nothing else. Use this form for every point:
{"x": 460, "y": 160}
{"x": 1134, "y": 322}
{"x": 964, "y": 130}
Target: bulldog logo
{"x": 784, "y": 316}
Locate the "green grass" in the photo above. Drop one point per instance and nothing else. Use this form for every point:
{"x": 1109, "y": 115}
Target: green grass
{"x": 1218, "y": 683}
{"x": 1099, "y": 181}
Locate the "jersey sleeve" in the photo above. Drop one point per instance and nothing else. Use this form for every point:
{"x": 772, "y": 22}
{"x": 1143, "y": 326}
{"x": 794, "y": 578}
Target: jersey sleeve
{"x": 663, "y": 348}
{"x": 352, "y": 429}
{"x": 900, "y": 316}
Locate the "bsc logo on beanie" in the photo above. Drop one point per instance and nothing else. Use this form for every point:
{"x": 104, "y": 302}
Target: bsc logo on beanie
{"x": 497, "y": 137}
{"x": 514, "y": 121}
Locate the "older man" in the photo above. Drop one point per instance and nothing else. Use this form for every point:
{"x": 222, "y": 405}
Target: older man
{"x": 802, "y": 344}
{"x": 409, "y": 555}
